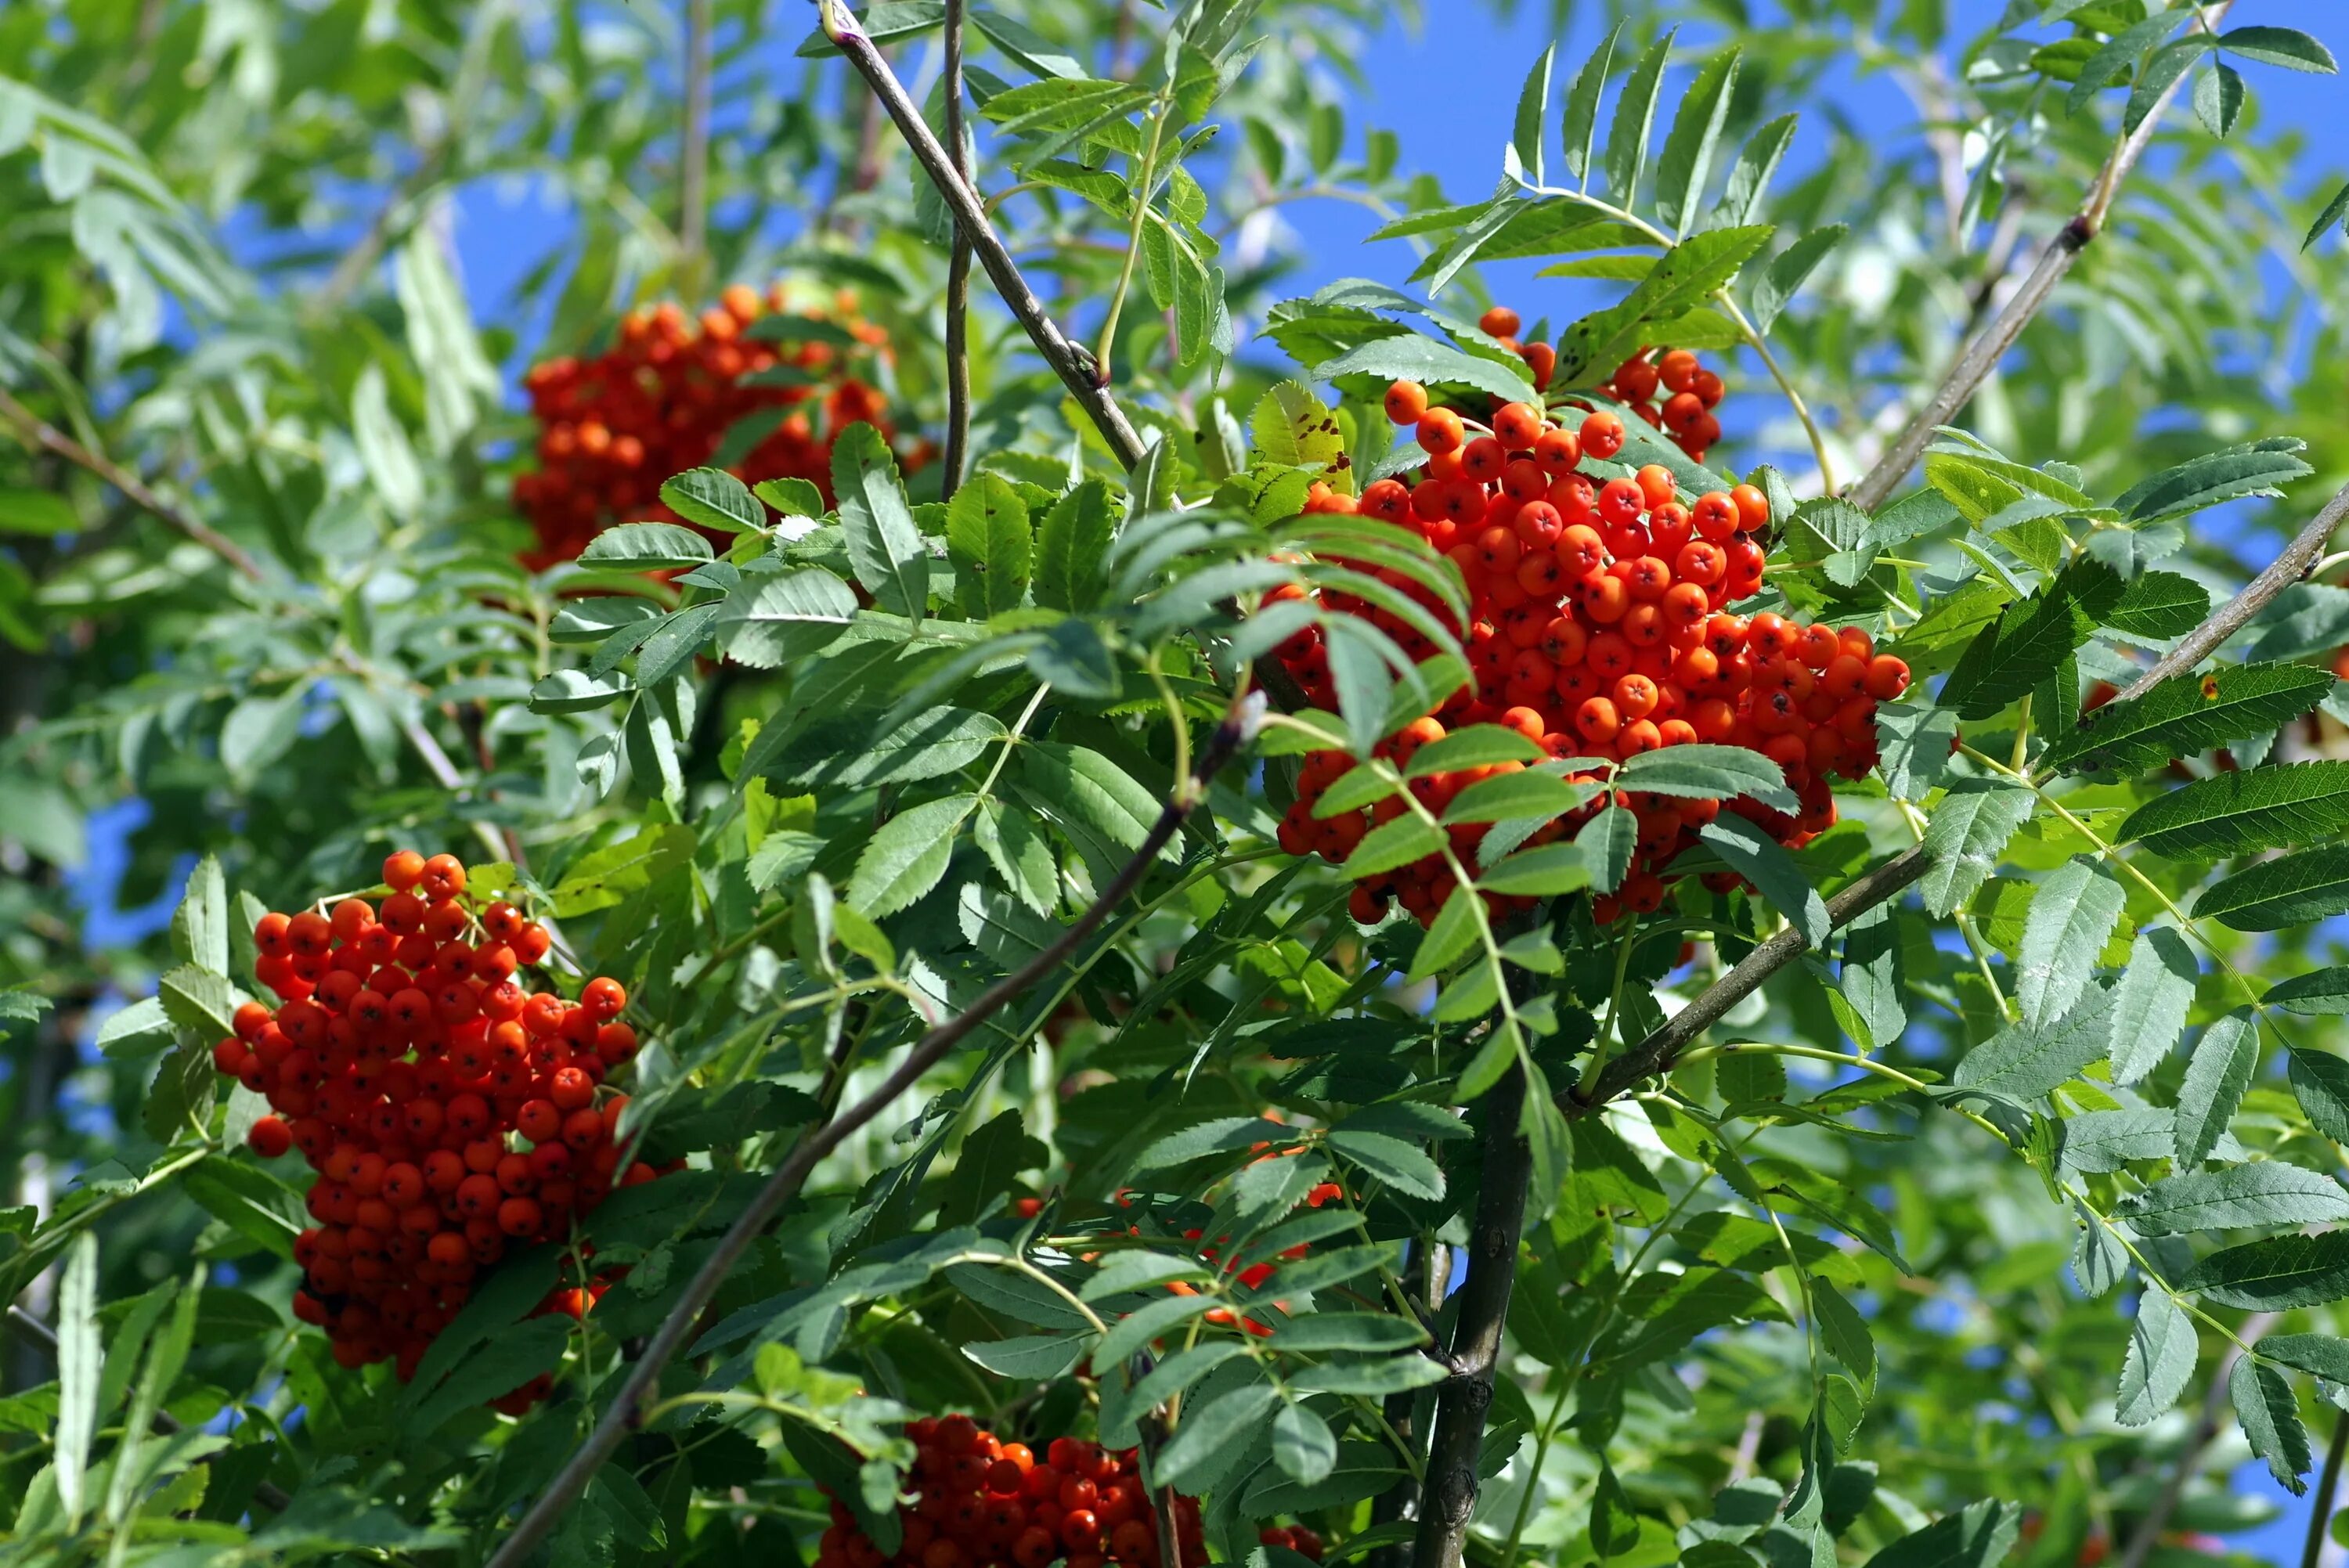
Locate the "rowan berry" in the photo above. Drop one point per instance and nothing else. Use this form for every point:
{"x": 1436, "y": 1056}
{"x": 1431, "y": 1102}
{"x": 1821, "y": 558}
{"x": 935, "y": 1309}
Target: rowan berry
{"x": 1501, "y": 322}
{"x": 1601, "y": 436}
{"x": 1406, "y": 403}
{"x": 1441, "y": 431}
{"x": 269, "y": 1137}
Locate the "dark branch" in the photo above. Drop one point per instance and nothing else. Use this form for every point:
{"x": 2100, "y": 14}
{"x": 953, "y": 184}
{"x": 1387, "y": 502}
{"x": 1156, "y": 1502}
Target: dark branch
{"x": 1073, "y": 364}
{"x": 1448, "y": 1499}
{"x": 958, "y": 443}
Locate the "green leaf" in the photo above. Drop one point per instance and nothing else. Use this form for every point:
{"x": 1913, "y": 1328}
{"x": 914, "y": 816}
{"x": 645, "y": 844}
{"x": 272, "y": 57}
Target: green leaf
{"x": 884, "y": 546}
{"x": 989, "y": 544}
{"x": 2169, "y": 63}
{"x": 2287, "y": 47}
{"x": 2072, "y": 913}
{"x": 2118, "y": 53}
{"x": 199, "y": 1001}
{"x": 1527, "y": 141}
{"x": 1683, "y": 275}
{"x": 852, "y": 750}
{"x": 2335, "y": 211}
{"x": 1422, "y": 359}
{"x": 1020, "y": 855}
{"x": 1550, "y": 870}
{"x": 2190, "y": 714}
{"x": 2030, "y": 640}
{"x": 37, "y": 511}
{"x": 1977, "y": 1536}
{"x": 2253, "y": 468}
{"x": 1614, "y": 1527}
{"x": 1582, "y": 103}
{"x": 2218, "y": 99}
{"x": 79, "y": 1365}
{"x": 1302, "y": 1444}
{"x": 2245, "y": 811}
{"x": 2160, "y": 604}
{"x": 2220, "y": 1070}
{"x": 2319, "y": 1354}
{"x": 1454, "y": 933}
{"x": 2320, "y": 994}
{"x": 1749, "y": 181}
{"x": 199, "y": 923}
{"x": 1347, "y": 1331}
{"x": 1757, "y": 857}
{"x": 2271, "y": 1418}
{"x": 1214, "y": 1427}
{"x": 2276, "y": 1272}
{"x": 495, "y": 1367}
{"x": 1072, "y": 545}
{"x": 1606, "y": 842}
{"x": 1397, "y": 1163}
{"x": 783, "y": 618}
{"x": 1788, "y": 270}
{"x": 2234, "y": 1197}
{"x": 715, "y": 498}
{"x": 1294, "y": 428}
{"x": 1635, "y": 116}
{"x": 2150, "y": 1004}
{"x": 1965, "y": 837}
{"x": 1689, "y": 146}
{"x": 1845, "y": 1332}
{"x": 1472, "y": 746}
{"x": 1702, "y": 771}
{"x": 906, "y": 858}
{"x": 2160, "y": 1362}
{"x": 646, "y": 547}
{"x": 1508, "y": 796}
{"x": 1392, "y": 844}
{"x": 2273, "y": 895}
{"x": 2025, "y": 1060}
{"x": 2320, "y": 1081}
{"x": 1030, "y": 1358}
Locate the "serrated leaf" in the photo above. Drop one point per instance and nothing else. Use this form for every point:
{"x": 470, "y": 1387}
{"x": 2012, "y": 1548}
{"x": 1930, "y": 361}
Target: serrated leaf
{"x": 2270, "y": 1420}
{"x": 714, "y": 499}
{"x": 1965, "y": 837}
{"x": 1757, "y": 857}
{"x": 2252, "y": 469}
{"x": 2024, "y": 1061}
{"x": 1526, "y": 140}
{"x": 1397, "y": 1163}
{"x": 1635, "y": 118}
{"x": 1698, "y": 770}
{"x": 2072, "y": 913}
{"x": 1392, "y": 844}
{"x": 2320, "y": 1081}
{"x": 2160, "y": 1362}
{"x": 1687, "y": 162}
{"x": 1680, "y": 277}
{"x": 2287, "y": 47}
{"x": 2190, "y": 714}
{"x": 1302, "y": 1444}
{"x": 2245, "y": 811}
{"x": 784, "y": 618}
{"x": 2335, "y": 211}
{"x": 1749, "y": 180}
{"x": 989, "y": 544}
{"x": 1980, "y": 1535}
{"x": 884, "y": 546}
{"x": 646, "y": 547}
{"x": 2321, "y": 992}
{"x": 1789, "y": 269}
{"x": 1582, "y": 103}
{"x": 1211, "y": 1428}
{"x": 2234, "y": 1197}
{"x": 2030, "y": 640}
{"x": 2150, "y": 1002}
{"x": 907, "y": 856}
{"x": 1429, "y": 363}
{"x": 2276, "y": 1272}
{"x": 2224, "y": 1059}
{"x": 2160, "y": 604}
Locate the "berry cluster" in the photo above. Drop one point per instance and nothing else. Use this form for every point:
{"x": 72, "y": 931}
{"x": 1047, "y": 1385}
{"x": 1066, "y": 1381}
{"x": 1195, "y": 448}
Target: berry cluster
{"x": 1691, "y": 392}
{"x": 664, "y": 398}
{"x": 986, "y": 1503}
{"x": 1600, "y": 628}
{"x": 403, "y": 1058}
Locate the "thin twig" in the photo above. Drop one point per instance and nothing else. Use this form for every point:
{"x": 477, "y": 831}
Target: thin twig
{"x": 2285, "y": 569}
{"x": 1073, "y": 364}
{"x": 267, "y": 1493}
{"x": 2189, "y": 1458}
{"x": 625, "y": 1412}
{"x": 33, "y": 430}
{"x": 958, "y": 443}
{"x": 1449, "y": 1498}
{"x": 1982, "y": 355}
{"x": 693, "y": 156}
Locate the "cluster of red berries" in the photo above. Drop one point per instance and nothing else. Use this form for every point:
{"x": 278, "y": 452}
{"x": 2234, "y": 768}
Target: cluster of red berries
{"x": 985, "y": 1503}
{"x": 665, "y": 398}
{"x": 1599, "y": 627}
{"x": 402, "y": 1060}
{"x": 1691, "y": 393}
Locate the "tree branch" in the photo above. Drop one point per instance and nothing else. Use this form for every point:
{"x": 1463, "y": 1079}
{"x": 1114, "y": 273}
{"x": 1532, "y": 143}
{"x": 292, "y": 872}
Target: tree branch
{"x": 36, "y": 431}
{"x": 693, "y": 155}
{"x": 2319, "y": 1514}
{"x": 2281, "y": 572}
{"x": 958, "y": 443}
{"x": 1655, "y": 1053}
{"x": 624, "y": 1413}
{"x": 1073, "y": 364}
{"x": 1982, "y": 355}
{"x": 1448, "y": 1500}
